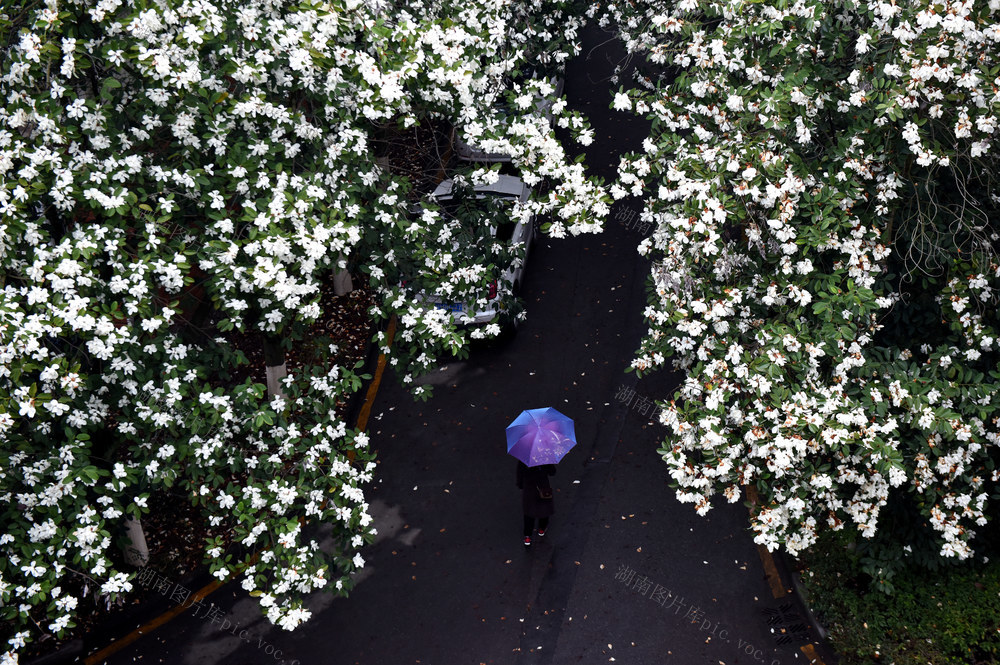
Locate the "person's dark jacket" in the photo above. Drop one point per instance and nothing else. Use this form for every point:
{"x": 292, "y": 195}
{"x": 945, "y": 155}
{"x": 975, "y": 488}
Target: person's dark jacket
{"x": 530, "y": 479}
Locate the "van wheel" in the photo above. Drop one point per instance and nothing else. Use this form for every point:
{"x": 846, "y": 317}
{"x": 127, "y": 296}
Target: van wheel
{"x": 509, "y": 329}
{"x": 508, "y": 332}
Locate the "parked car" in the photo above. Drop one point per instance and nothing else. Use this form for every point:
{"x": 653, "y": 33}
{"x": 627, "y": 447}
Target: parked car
{"x": 502, "y": 291}
{"x": 543, "y": 108}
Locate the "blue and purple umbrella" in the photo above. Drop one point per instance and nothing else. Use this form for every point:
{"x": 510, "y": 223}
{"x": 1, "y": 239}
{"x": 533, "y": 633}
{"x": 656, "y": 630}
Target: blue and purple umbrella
{"x": 540, "y": 436}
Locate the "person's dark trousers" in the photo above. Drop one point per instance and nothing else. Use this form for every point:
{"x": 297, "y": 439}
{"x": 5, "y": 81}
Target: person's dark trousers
{"x": 529, "y": 524}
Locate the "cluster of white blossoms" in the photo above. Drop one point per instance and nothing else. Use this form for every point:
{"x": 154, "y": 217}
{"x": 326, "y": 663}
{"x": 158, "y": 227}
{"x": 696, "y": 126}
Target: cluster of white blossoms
{"x": 171, "y": 167}
{"x": 825, "y": 262}
{"x": 500, "y": 59}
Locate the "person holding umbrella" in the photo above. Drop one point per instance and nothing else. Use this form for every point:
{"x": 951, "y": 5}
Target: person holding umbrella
{"x": 536, "y": 497}
{"x": 538, "y": 438}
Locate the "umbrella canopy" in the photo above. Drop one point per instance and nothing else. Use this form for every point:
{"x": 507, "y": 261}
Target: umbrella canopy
{"x": 540, "y": 436}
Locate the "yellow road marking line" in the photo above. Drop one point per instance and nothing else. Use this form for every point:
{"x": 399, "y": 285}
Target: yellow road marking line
{"x": 120, "y": 644}
{"x": 366, "y": 408}
{"x": 117, "y": 645}
{"x": 810, "y": 653}
{"x": 773, "y": 578}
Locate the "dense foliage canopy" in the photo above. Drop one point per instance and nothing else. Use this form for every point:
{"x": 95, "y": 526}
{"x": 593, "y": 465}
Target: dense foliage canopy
{"x": 155, "y": 149}
{"x": 820, "y": 175}
{"x": 822, "y": 178}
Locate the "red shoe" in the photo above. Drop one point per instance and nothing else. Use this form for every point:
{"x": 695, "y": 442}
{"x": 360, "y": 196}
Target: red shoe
{"x": 527, "y": 541}
{"x": 541, "y": 533}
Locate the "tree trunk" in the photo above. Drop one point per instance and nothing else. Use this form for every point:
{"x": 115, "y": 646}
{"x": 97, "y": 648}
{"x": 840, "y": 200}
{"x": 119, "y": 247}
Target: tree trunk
{"x": 342, "y": 284}
{"x": 136, "y": 551}
{"x": 274, "y": 365}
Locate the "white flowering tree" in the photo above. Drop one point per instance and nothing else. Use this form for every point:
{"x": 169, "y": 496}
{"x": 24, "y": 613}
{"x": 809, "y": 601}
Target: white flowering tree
{"x": 148, "y": 149}
{"x": 822, "y": 179}
{"x": 496, "y": 114}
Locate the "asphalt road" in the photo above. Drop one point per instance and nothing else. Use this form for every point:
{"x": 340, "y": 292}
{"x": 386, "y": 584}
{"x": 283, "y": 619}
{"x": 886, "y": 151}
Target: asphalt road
{"x": 625, "y": 574}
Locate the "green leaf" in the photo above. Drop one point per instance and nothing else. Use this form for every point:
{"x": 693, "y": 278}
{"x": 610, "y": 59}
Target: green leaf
{"x": 109, "y": 85}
